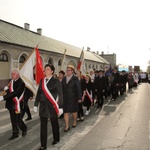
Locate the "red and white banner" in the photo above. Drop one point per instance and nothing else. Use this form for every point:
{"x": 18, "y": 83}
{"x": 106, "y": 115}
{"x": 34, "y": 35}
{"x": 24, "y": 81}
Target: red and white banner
{"x": 16, "y": 99}
{"x": 39, "y": 67}
{"x": 80, "y": 65}
{"x": 32, "y": 70}
{"x": 81, "y": 60}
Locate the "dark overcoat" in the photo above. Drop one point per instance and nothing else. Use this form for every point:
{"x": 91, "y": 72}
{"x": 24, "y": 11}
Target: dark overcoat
{"x": 27, "y": 94}
{"x": 100, "y": 83}
{"x": 46, "y": 108}
{"x": 71, "y": 94}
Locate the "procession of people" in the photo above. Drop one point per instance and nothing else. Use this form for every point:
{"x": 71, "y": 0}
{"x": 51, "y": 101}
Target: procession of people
{"x": 71, "y": 93}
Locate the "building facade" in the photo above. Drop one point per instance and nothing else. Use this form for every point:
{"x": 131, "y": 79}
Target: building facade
{"x": 111, "y": 58}
{"x": 17, "y": 44}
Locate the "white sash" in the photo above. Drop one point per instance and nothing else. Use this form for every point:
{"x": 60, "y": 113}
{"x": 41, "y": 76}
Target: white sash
{"x": 89, "y": 96}
{"x": 50, "y": 96}
{"x": 16, "y": 99}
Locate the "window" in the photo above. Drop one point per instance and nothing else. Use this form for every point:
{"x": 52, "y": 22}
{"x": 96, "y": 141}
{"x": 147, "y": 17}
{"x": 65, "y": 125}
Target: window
{"x": 22, "y": 59}
{"x": 59, "y": 62}
{"x": 50, "y": 61}
{"x": 93, "y": 66}
{"x": 96, "y": 66}
{"x": 3, "y": 57}
{"x": 90, "y": 66}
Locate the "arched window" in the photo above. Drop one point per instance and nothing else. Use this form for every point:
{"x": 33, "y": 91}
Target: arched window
{"x": 96, "y": 66}
{"x": 93, "y": 66}
{"x": 90, "y": 66}
{"x": 71, "y": 62}
{"x": 22, "y": 59}
{"x": 3, "y": 57}
{"x": 50, "y": 61}
{"x": 59, "y": 62}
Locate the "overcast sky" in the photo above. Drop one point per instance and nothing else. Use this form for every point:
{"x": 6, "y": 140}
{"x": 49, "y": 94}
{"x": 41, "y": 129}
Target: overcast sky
{"x": 112, "y": 26}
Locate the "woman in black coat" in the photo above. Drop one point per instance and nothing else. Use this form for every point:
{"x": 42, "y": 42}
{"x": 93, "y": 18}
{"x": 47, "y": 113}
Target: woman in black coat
{"x": 47, "y": 93}
{"x": 71, "y": 96}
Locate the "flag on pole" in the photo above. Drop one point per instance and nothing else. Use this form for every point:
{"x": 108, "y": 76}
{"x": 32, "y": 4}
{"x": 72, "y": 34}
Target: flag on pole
{"x": 80, "y": 65}
{"x": 39, "y": 67}
{"x": 27, "y": 70}
{"x": 64, "y": 64}
{"x": 109, "y": 71}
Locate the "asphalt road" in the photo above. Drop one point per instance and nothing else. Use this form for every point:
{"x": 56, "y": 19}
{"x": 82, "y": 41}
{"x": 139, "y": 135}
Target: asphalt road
{"x": 120, "y": 125}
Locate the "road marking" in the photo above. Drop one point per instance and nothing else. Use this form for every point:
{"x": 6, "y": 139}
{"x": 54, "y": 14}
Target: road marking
{"x": 73, "y": 139}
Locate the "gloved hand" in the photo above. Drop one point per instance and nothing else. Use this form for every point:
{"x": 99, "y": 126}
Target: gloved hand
{"x": 35, "y": 109}
{"x": 1, "y": 98}
{"x": 6, "y": 88}
{"x": 60, "y": 111}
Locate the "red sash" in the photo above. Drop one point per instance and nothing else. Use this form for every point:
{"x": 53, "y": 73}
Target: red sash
{"x": 16, "y": 99}
{"x": 89, "y": 96}
{"x": 50, "y": 96}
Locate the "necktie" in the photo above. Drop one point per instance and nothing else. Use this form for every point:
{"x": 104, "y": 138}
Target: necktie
{"x": 47, "y": 81}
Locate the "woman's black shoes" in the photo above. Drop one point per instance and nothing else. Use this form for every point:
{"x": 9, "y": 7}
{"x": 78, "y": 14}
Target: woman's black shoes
{"x": 67, "y": 129}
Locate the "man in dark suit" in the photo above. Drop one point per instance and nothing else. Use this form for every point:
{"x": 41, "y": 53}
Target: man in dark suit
{"x": 115, "y": 84}
{"x": 100, "y": 84}
{"x": 14, "y": 99}
{"x": 49, "y": 89}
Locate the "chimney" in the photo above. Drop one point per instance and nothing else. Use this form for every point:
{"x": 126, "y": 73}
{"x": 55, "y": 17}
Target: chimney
{"x": 26, "y": 26}
{"x": 88, "y": 49}
{"x": 102, "y": 53}
{"x": 98, "y": 52}
{"x": 39, "y": 31}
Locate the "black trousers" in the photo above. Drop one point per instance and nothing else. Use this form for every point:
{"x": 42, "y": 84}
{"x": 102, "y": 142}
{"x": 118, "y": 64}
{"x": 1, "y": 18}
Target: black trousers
{"x": 43, "y": 130}
{"x": 26, "y": 109}
{"x": 80, "y": 111}
{"x": 100, "y": 99}
{"x": 16, "y": 122}
{"x": 114, "y": 91}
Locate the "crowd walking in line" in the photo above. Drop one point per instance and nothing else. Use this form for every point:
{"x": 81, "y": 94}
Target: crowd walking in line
{"x": 70, "y": 91}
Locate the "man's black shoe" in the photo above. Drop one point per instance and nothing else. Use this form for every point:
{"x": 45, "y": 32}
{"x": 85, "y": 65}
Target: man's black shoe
{"x": 14, "y": 136}
{"x": 29, "y": 118}
{"x": 42, "y": 148}
{"x": 24, "y": 133}
{"x": 54, "y": 142}
{"x": 98, "y": 106}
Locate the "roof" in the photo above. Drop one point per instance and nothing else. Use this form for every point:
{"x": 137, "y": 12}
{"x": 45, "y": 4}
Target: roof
{"x": 14, "y": 34}
{"x": 101, "y": 58}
